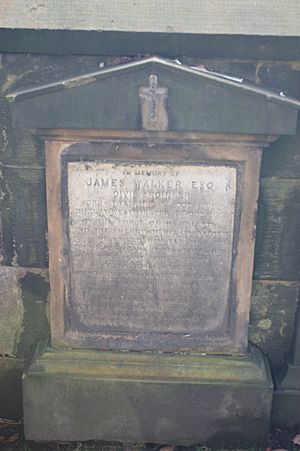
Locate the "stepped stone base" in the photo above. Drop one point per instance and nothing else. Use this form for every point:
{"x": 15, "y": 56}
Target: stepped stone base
{"x": 158, "y": 398}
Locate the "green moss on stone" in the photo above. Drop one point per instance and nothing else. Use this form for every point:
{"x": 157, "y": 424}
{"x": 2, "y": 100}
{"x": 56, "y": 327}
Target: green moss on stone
{"x": 35, "y": 321}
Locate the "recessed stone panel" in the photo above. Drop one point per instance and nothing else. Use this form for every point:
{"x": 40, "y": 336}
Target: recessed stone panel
{"x": 150, "y": 247}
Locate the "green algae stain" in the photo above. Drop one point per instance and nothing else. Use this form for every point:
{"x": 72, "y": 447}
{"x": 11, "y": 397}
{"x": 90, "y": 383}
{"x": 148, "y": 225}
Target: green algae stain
{"x": 264, "y": 324}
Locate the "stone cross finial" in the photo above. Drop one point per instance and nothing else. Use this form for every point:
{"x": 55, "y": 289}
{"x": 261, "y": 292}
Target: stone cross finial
{"x": 153, "y": 105}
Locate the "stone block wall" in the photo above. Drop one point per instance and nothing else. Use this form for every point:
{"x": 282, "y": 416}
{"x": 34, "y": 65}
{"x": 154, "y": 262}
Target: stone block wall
{"x": 24, "y": 288}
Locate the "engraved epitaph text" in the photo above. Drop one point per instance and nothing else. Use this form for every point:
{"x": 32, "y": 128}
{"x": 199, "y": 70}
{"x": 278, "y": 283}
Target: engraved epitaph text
{"x": 151, "y": 246}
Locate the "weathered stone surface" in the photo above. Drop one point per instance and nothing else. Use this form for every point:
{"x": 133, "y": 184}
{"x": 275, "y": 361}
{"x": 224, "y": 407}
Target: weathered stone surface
{"x": 19, "y": 70}
{"x": 22, "y": 186}
{"x": 199, "y": 317}
{"x": 286, "y": 401}
{"x": 274, "y": 17}
{"x": 272, "y": 313}
{"x": 57, "y": 42}
{"x": 282, "y": 158}
{"x": 278, "y": 230}
{"x": 159, "y": 222}
{"x": 273, "y": 306}
{"x": 24, "y": 70}
{"x": 108, "y": 100}
{"x": 286, "y": 407}
{"x": 23, "y": 323}
{"x": 23, "y": 312}
{"x": 11, "y": 387}
{"x": 35, "y": 325}
{"x": 148, "y": 398}
{"x": 284, "y": 77}
{"x": 11, "y": 310}
{"x": 282, "y": 161}
{"x": 24, "y": 149}
{"x": 23, "y": 212}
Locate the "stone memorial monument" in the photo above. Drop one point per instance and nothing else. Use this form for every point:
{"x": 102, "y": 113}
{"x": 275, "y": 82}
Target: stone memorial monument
{"x": 152, "y": 186}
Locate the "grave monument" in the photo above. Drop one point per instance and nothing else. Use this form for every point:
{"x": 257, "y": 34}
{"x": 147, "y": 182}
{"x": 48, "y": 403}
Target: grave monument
{"x": 152, "y": 186}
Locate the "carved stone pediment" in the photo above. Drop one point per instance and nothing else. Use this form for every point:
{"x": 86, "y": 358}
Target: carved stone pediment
{"x": 197, "y": 101}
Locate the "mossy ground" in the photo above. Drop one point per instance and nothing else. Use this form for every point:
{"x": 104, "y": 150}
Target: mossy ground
{"x": 12, "y": 439}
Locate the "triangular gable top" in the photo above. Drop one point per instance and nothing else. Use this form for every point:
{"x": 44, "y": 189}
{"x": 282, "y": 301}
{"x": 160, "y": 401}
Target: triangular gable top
{"x": 155, "y": 62}
{"x": 198, "y": 100}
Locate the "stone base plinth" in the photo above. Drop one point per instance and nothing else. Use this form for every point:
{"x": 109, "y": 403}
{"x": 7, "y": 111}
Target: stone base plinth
{"x": 286, "y": 403}
{"x": 142, "y": 397}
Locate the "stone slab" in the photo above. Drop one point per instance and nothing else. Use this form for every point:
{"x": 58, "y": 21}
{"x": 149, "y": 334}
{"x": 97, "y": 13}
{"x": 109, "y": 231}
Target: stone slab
{"x": 271, "y": 17}
{"x": 194, "y": 228}
{"x": 161, "y": 223}
{"x": 135, "y": 397}
{"x": 96, "y": 43}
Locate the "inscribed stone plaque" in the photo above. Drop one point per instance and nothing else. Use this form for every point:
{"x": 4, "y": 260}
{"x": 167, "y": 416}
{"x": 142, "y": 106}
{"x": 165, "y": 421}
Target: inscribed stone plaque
{"x": 150, "y": 246}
